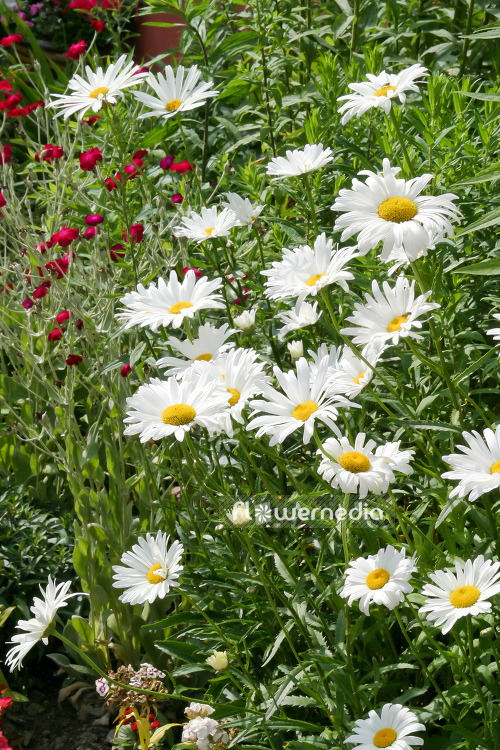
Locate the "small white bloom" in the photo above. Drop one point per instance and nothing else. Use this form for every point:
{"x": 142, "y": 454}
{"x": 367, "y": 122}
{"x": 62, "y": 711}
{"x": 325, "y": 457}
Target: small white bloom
{"x": 398, "y": 460}
{"x": 198, "y": 709}
{"x": 296, "y": 349}
{"x": 394, "y": 729}
{"x": 208, "y": 345}
{"x": 245, "y": 321}
{"x": 303, "y": 314}
{"x": 207, "y": 225}
{"x": 400, "y": 258}
{"x": 307, "y": 399}
{"x": 218, "y": 661}
{"x": 379, "y": 579}
{"x": 390, "y": 210}
{"x": 351, "y": 374}
{"x": 152, "y": 672}
{"x": 246, "y": 214}
{"x": 495, "y": 332}
{"x": 102, "y": 686}
{"x": 170, "y": 303}
{"x": 162, "y": 408}
{"x": 173, "y": 93}
{"x": 333, "y": 358}
{"x": 150, "y": 570}
{"x": 98, "y": 88}
{"x": 380, "y": 91}
{"x": 465, "y": 591}
{"x": 239, "y": 514}
{"x": 355, "y": 469}
{"x": 299, "y": 162}
{"x": 390, "y": 314}
{"x": 35, "y": 629}
{"x": 478, "y": 470}
{"x": 205, "y": 733}
{"x": 305, "y": 270}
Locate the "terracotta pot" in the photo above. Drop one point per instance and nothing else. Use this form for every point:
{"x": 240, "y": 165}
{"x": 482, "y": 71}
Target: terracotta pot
{"x": 156, "y": 40}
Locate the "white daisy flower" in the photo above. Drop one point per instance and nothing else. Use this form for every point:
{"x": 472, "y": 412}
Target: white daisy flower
{"x": 35, "y": 629}
{"x": 98, "y": 88}
{"x": 299, "y": 162}
{"x": 393, "y": 729}
{"x": 390, "y": 314}
{"x": 296, "y": 349}
{"x": 305, "y": 270}
{"x": 478, "y": 470}
{"x": 333, "y": 358}
{"x": 392, "y": 211}
{"x": 351, "y": 374}
{"x": 207, "y": 225}
{"x": 162, "y": 408}
{"x": 209, "y": 343}
{"x": 398, "y": 460}
{"x": 246, "y": 214}
{"x": 150, "y": 570}
{"x": 400, "y": 258}
{"x": 303, "y": 314}
{"x": 306, "y": 400}
{"x": 379, "y": 91}
{"x": 495, "y": 332}
{"x": 355, "y": 469}
{"x": 246, "y": 320}
{"x": 173, "y": 93}
{"x": 170, "y": 303}
{"x": 462, "y": 592}
{"x": 379, "y": 579}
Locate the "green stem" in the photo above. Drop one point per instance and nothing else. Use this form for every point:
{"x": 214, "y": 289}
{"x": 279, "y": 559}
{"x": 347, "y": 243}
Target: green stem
{"x": 354, "y": 32}
{"x": 465, "y": 46}
{"x": 473, "y": 674}
{"x": 408, "y": 163}
{"x": 311, "y": 204}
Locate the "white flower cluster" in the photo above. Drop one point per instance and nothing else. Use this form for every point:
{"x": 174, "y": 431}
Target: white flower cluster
{"x": 146, "y": 672}
{"x": 202, "y": 731}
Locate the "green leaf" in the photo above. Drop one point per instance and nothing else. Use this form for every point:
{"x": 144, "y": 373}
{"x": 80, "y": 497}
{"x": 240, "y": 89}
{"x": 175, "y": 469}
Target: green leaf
{"x": 178, "y": 649}
{"x": 481, "y": 97}
{"x": 486, "y": 221}
{"x": 489, "y": 267}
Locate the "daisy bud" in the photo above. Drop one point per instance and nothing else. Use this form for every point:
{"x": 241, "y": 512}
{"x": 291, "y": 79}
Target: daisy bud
{"x": 218, "y": 661}
{"x": 74, "y": 359}
{"x": 65, "y": 236}
{"x": 239, "y": 516}
{"x": 89, "y": 159}
{"x": 56, "y": 334}
{"x": 11, "y": 39}
{"x": 76, "y": 50}
{"x": 125, "y": 371}
{"x": 97, "y": 25}
{"x": 182, "y": 167}
{"x": 296, "y": 349}
{"x": 114, "y": 255}
{"x": 27, "y": 303}
{"x": 177, "y": 198}
{"x": 166, "y": 162}
{"x": 246, "y": 320}
{"x": 79, "y": 324}
{"x": 62, "y": 317}
{"x": 92, "y": 220}
{"x": 5, "y": 154}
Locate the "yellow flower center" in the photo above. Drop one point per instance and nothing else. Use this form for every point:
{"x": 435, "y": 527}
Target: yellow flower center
{"x": 314, "y": 279}
{"x": 397, "y": 210}
{"x": 385, "y": 737}
{"x": 204, "y": 357}
{"x": 354, "y": 461}
{"x": 235, "y": 396}
{"x": 95, "y": 94}
{"x": 464, "y": 596}
{"x": 178, "y": 414}
{"x": 395, "y": 324}
{"x": 377, "y": 580}
{"x": 175, "y": 309}
{"x": 383, "y": 92}
{"x": 358, "y": 378}
{"x": 173, "y": 105}
{"x": 209, "y": 230}
{"x": 495, "y": 469}
{"x": 152, "y": 576}
{"x": 303, "y": 411}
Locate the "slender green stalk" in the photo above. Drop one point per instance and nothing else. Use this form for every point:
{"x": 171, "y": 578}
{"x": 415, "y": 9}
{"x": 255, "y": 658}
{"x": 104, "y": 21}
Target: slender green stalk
{"x": 477, "y": 685}
{"x": 354, "y": 30}
{"x": 312, "y": 207}
{"x": 465, "y": 46}
{"x": 399, "y": 135}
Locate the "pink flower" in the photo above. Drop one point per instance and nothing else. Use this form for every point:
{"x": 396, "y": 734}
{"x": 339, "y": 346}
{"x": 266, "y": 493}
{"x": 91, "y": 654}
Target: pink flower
{"x": 125, "y": 371}
{"x": 144, "y": 69}
{"x": 5, "y": 154}
{"x": 90, "y": 233}
{"x": 62, "y": 317}
{"x": 11, "y": 39}
{"x": 197, "y": 272}
{"x": 92, "y": 220}
{"x": 182, "y": 167}
{"x": 27, "y": 303}
{"x": 84, "y": 5}
{"x": 35, "y": 8}
{"x": 74, "y": 359}
{"x": 89, "y": 159}
{"x": 167, "y": 162}
{"x": 136, "y": 232}
{"x": 76, "y": 50}
{"x": 3, "y": 202}
{"x": 177, "y": 198}
{"x": 140, "y": 154}
{"x": 97, "y": 25}
{"x": 65, "y": 236}
{"x": 112, "y": 184}
{"x": 56, "y": 334}
{"x": 114, "y": 254}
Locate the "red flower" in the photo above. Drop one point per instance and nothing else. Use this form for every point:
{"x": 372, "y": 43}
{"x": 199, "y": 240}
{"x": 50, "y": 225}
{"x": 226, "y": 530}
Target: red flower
{"x": 90, "y": 233}
{"x": 177, "y": 198}
{"x": 111, "y": 183}
{"x": 4, "y": 744}
{"x": 60, "y": 265}
{"x": 79, "y": 324}
{"x": 3, "y": 202}
{"x": 84, "y": 5}
{"x": 91, "y": 120}
{"x": 62, "y": 317}
{"x": 11, "y": 39}
{"x": 125, "y": 371}
{"x": 132, "y": 170}
{"x": 41, "y": 290}
{"x": 97, "y": 25}
{"x": 27, "y": 303}
{"x": 140, "y": 154}
{"x": 238, "y": 302}
{"x": 48, "y": 153}
{"x": 197, "y": 272}
{"x": 154, "y": 724}
{"x": 144, "y": 69}
{"x": 5, "y": 703}
{"x": 136, "y": 232}
{"x": 5, "y": 154}
{"x": 25, "y": 110}
{"x": 10, "y": 102}
{"x": 7, "y": 288}
{"x": 134, "y": 726}
{"x": 65, "y": 236}
{"x": 92, "y": 220}
{"x": 74, "y": 359}
{"x": 111, "y": 5}
{"x": 181, "y": 167}
{"x": 89, "y": 159}
{"x": 56, "y": 334}
{"x": 6, "y": 86}
{"x": 114, "y": 255}
{"x": 76, "y": 50}
{"x": 167, "y": 162}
